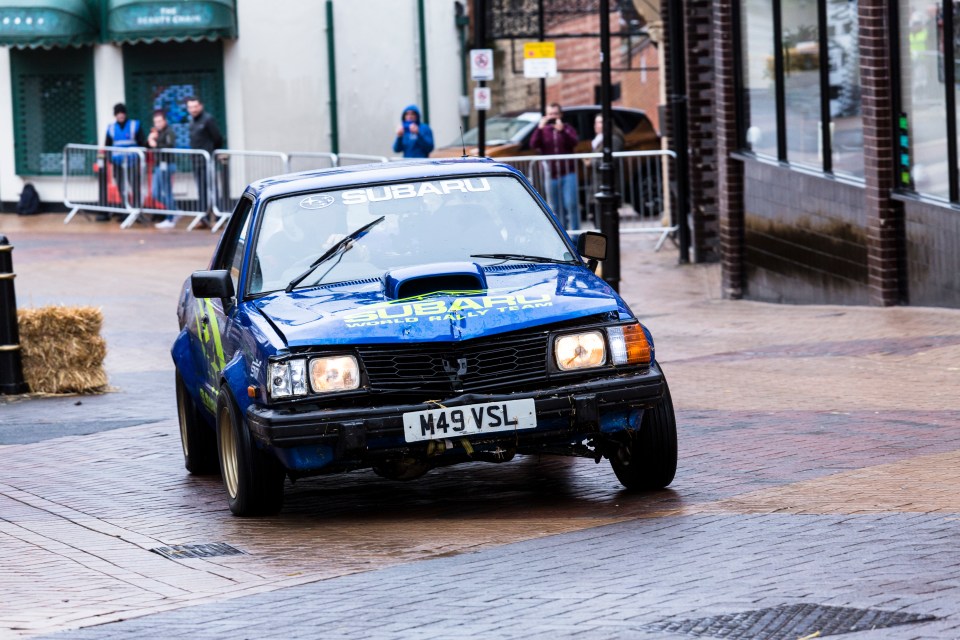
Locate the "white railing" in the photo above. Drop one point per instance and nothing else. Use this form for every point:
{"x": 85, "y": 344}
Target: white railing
{"x": 234, "y": 170}
{"x": 177, "y": 183}
{"x": 639, "y": 178}
{"x": 198, "y": 182}
{"x": 103, "y": 179}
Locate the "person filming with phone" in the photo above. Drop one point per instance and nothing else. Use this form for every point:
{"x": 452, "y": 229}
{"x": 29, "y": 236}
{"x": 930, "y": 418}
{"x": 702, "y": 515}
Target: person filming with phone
{"x": 553, "y": 136}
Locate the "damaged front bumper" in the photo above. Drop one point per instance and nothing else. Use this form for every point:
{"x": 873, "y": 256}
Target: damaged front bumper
{"x": 353, "y": 437}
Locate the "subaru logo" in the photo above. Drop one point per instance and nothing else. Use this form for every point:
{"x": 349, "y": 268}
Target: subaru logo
{"x": 316, "y": 201}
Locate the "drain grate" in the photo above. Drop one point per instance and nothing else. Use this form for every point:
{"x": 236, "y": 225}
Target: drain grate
{"x": 208, "y": 550}
{"x": 788, "y": 622}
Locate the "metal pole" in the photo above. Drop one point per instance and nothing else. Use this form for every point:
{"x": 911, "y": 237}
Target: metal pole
{"x": 479, "y": 40}
{"x": 462, "y": 22}
{"x": 607, "y": 198}
{"x": 424, "y": 82}
{"x": 678, "y": 103}
{"x": 543, "y": 81}
{"x": 332, "y": 81}
{"x": 11, "y": 365}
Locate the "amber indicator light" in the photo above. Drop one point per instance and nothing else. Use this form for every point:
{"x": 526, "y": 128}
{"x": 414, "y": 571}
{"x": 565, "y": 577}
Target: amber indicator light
{"x": 638, "y": 349}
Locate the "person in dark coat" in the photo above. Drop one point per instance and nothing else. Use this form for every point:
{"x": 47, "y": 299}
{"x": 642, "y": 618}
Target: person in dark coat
{"x": 414, "y": 138}
{"x": 553, "y": 136}
{"x": 204, "y": 134}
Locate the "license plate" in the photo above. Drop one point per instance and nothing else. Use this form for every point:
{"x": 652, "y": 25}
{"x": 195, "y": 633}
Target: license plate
{"x": 471, "y": 419}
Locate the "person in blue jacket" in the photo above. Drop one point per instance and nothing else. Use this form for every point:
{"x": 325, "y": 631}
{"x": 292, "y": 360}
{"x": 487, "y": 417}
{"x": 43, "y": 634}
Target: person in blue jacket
{"x": 414, "y": 138}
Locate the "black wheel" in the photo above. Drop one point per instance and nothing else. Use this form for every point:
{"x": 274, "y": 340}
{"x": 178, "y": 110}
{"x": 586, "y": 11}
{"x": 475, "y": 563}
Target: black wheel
{"x": 198, "y": 439}
{"x": 648, "y": 459}
{"x": 253, "y": 479}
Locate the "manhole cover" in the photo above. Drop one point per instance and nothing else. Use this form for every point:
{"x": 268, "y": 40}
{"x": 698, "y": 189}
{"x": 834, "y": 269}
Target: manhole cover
{"x": 788, "y": 622}
{"x": 208, "y": 550}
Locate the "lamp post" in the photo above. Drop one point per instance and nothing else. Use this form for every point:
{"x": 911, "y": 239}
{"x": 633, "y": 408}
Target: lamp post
{"x": 607, "y": 198}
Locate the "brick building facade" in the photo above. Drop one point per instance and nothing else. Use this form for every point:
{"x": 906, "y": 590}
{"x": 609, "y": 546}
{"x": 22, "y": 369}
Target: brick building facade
{"x": 824, "y": 165}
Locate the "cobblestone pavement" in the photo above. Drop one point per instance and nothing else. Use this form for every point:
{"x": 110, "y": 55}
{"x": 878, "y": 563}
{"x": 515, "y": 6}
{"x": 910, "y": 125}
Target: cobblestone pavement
{"x": 819, "y": 464}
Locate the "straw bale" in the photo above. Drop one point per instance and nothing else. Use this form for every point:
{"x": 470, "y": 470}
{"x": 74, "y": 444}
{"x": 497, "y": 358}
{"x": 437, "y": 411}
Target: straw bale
{"x": 62, "y": 349}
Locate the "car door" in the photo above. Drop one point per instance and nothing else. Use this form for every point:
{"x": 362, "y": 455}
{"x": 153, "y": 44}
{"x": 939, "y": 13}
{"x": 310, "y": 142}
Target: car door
{"x": 217, "y": 337}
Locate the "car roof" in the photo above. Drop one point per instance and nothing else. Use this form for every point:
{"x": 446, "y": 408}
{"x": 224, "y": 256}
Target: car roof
{"x": 365, "y": 174}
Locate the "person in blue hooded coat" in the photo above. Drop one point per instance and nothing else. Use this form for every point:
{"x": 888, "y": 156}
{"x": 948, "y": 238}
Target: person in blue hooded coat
{"x": 414, "y": 138}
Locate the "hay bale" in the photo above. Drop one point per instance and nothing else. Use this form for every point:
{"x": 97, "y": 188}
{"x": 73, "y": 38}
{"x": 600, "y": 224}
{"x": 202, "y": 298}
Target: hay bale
{"x": 62, "y": 349}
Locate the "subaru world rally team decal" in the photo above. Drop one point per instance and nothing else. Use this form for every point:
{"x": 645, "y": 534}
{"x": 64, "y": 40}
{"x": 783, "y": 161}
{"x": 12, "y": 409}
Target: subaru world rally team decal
{"x": 442, "y": 310}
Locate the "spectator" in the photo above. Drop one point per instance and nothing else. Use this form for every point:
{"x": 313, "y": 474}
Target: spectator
{"x": 204, "y": 134}
{"x": 617, "y": 135}
{"x": 414, "y": 138}
{"x": 162, "y": 137}
{"x": 124, "y": 132}
{"x": 553, "y": 136}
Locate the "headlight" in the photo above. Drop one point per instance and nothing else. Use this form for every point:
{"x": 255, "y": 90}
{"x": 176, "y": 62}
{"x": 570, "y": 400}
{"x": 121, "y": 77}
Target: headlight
{"x": 579, "y": 350}
{"x": 336, "y": 373}
{"x": 288, "y": 379}
{"x": 628, "y": 345}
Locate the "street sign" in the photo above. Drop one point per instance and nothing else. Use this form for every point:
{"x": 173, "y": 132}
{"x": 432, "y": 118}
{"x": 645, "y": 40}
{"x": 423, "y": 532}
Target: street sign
{"x": 539, "y": 50}
{"x": 481, "y": 64}
{"x": 539, "y": 59}
{"x": 481, "y": 98}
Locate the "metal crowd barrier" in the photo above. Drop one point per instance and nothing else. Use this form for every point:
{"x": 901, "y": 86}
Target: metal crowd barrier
{"x": 346, "y": 159}
{"x": 234, "y": 170}
{"x": 103, "y": 179}
{"x": 187, "y": 182}
{"x": 177, "y": 183}
{"x": 639, "y": 178}
{"x": 310, "y": 160}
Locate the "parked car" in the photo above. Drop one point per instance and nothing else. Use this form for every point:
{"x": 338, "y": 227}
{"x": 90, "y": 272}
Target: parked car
{"x": 403, "y": 317}
{"x": 508, "y": 134}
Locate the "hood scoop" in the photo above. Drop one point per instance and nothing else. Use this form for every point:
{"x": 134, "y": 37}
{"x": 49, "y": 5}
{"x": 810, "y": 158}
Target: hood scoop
{"x": 409, "y": 282}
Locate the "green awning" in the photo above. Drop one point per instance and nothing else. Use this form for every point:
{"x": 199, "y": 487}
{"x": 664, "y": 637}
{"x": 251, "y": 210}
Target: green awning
{"x": 178, "y": 20}
{"x": 47, "y": 23}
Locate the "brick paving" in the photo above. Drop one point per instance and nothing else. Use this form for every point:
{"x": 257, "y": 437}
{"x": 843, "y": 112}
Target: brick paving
{"x": 818, "y": 464}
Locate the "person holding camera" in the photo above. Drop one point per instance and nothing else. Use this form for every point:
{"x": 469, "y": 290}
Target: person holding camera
{"x": 414, "y": 138}
{"x": 553, "y": 136}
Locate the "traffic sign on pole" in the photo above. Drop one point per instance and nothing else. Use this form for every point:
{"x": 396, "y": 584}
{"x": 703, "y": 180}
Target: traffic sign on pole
{"x": 481, "y": 64}
{"x": 481, "y": 98}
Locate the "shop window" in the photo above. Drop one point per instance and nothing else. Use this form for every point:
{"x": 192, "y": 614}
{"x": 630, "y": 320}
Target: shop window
{"x": 923, "y": 93}
{"x": 845, "y": 112}
{"x": 801, "y": 81}
{"x": 759, "y": 86}
{"x": 53, "y": 105}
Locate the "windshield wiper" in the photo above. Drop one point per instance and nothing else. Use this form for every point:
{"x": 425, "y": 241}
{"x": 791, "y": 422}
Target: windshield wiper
{"x": 344, "y": 244}
{"x": 522, "y": 257}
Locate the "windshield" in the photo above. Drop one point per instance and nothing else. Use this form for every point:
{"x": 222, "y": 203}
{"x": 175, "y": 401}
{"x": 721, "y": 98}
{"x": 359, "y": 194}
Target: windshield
{"x": 444, "y": 220}
{"x": 500, "y": 129}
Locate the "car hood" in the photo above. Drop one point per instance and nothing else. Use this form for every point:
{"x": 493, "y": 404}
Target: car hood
{"x": 516, "y": 297}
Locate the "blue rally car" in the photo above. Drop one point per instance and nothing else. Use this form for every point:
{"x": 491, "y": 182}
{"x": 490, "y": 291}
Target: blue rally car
{"x": 404, "y": 317}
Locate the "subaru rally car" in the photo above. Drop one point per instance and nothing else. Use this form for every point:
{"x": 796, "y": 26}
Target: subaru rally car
{"x": 403, "y": 317}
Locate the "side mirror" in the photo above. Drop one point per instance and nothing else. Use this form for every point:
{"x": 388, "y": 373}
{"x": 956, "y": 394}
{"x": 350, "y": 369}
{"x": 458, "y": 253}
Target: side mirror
{"x": 592, "y": 245}
{"x": 211, "y": 284}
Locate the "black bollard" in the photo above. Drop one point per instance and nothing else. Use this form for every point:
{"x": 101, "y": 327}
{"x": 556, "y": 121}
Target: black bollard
{"x": 11, "y": 364}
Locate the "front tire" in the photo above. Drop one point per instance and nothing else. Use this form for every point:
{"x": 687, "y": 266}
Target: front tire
{"x": 197, "y": 438}
{"x": 648, "y": 458}
{"x": 253, "y": 479}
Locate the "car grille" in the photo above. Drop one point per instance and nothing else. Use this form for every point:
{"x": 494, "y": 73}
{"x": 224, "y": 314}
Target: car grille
{"x": 497, "y": 363}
